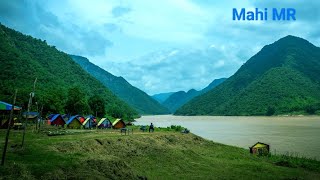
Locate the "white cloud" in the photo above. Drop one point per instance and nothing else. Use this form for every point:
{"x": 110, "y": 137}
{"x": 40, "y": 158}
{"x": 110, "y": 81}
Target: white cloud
{"x": 159, "y": 46}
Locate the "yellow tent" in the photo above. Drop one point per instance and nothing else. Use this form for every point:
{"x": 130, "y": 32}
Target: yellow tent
{"x": 118, "y": 123}
{"x": 104, "y": 123}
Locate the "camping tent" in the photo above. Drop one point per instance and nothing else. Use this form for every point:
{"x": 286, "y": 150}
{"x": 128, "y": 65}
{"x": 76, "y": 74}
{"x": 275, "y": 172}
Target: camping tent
{"x": 57, "y": 120}
{"x": 104, "y": 123}
{"x": 51, "y": 116}
{"x": 118, "y": 123}
{"x": 74, "y": 122}
{"x": 81, "y": 119}
{"x": 7, "y": 107}
{"x": 89, "y": 122}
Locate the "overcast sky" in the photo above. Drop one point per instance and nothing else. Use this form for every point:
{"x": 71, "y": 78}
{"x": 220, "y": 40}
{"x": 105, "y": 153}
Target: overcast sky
{"x": 159, "y": 45}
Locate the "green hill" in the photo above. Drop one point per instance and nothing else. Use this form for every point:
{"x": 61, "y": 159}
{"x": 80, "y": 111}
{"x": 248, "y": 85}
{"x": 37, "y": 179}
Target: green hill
{"x": 161, "y": 97}
{"x": 24, "y": 58}
{"x": 138, "y": 99}
{"x": 177, "y": 99}
{"x": 283, "y": 78}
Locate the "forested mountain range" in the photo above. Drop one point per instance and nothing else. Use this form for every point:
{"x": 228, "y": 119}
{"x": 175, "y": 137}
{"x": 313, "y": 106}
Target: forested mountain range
{"x": 135, "y": 97}
{"x": 161, "y": 97}
{"x": 283, "y": 78}
{"x": 62, "y": 85}
{"x": 177, "y": 99}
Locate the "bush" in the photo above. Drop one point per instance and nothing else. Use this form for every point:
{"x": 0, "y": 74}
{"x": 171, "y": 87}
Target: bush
{"x": 177, "y": 128}
{"x": 311, "y": 109}
{"x": 270, "y": 111}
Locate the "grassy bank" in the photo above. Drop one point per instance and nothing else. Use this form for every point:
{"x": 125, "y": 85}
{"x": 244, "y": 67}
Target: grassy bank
{"x": 165, "y": 154}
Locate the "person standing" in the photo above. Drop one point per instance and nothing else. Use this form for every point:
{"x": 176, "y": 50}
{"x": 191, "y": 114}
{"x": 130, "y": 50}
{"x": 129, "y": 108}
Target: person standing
{"x": 151, "y": 128}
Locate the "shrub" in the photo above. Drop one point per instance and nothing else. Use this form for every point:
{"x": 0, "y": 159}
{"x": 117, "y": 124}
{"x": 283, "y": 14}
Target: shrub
{"x": 177, "y": 128}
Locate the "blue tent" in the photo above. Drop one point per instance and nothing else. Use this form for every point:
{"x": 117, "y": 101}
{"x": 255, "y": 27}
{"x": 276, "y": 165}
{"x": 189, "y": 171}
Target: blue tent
{"x": 57, "y": 120}
{"x": 74, "y": 122}
{"x": 89, "y": 122}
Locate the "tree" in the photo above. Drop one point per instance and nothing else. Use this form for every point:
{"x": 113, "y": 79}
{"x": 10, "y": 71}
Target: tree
{"x": 77, "y": 102}
{"x": 270, "y": 111}
{"x": 97, "y": 105}
{"x": 312, "y": 108}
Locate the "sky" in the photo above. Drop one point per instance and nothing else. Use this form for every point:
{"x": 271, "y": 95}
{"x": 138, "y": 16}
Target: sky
{"x": 160, "y": 46}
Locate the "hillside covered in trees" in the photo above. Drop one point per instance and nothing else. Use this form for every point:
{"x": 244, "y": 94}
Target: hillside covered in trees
{"x": 283, "y": 78}
{"x": 62, "y": 85}
{"x": 177, "y": 99}
{"x": 138, "y": 99}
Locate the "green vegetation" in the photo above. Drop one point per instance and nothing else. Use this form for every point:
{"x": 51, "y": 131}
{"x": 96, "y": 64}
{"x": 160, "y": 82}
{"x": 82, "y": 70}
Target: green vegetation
{"x": 62, "y": 86}
{"x": 97, "y": 105}
{"x": 161, "y": 97}
{"x": 76, "y": 102}
{"x": 164, "y": 154}
{"x": 283, "y": 78}
{"x": 138, "y": 99}
{"x": 177, "y": 99}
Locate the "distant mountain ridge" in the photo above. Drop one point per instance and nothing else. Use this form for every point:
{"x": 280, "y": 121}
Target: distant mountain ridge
{"x": 135, "y": 97}
{"x": 282, "y": 78}
{"x": 177, "y": 99}
{"x": 161, "y": 97}
{"x": 24, "y": 58}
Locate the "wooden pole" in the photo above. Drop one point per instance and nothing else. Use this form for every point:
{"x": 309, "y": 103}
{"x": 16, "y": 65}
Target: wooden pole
{"x": 8, "y": 130}
{"x": 36, "y": 121}
{"x": 20, "y": 117}
{"x": 25, "y": 121}
{"x": 40, "y": 118}
{"x": 29, "y": 105}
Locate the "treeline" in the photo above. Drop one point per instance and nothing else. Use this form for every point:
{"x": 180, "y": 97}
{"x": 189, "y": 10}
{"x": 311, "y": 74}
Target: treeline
{"x": 60, "y": 81}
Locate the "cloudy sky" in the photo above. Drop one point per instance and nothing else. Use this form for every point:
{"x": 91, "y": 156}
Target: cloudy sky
{"x": 160, "y": 46}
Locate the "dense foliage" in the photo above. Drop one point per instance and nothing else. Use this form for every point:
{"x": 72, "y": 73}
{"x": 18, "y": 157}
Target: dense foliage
{"x": 76, "y": 102}
{"x": 24, "y": 58}
{"x": 177, "y": 99}
{"x": 138, "y": 99}
{"x": 283, "y": 78}
{"x": 97, "y": 105}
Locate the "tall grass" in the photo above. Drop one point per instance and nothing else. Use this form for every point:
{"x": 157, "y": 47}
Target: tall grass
{"x": 294, "y": 160}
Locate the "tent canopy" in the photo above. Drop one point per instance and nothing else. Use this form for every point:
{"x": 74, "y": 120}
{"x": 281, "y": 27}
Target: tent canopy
{"x": 7, "y": 107}
{"x": 30, "y": 115}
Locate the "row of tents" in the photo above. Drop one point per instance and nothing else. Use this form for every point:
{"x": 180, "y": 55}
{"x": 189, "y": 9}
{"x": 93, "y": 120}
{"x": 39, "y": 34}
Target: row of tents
{"x": 75, "y": 122}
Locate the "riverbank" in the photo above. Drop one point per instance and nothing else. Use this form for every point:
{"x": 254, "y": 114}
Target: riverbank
{"x": 294, "y": 135}
{"x": 165, "y": 154}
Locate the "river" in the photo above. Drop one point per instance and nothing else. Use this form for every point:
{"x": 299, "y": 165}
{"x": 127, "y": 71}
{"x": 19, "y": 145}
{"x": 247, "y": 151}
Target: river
{"x": 297, "y": 135}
